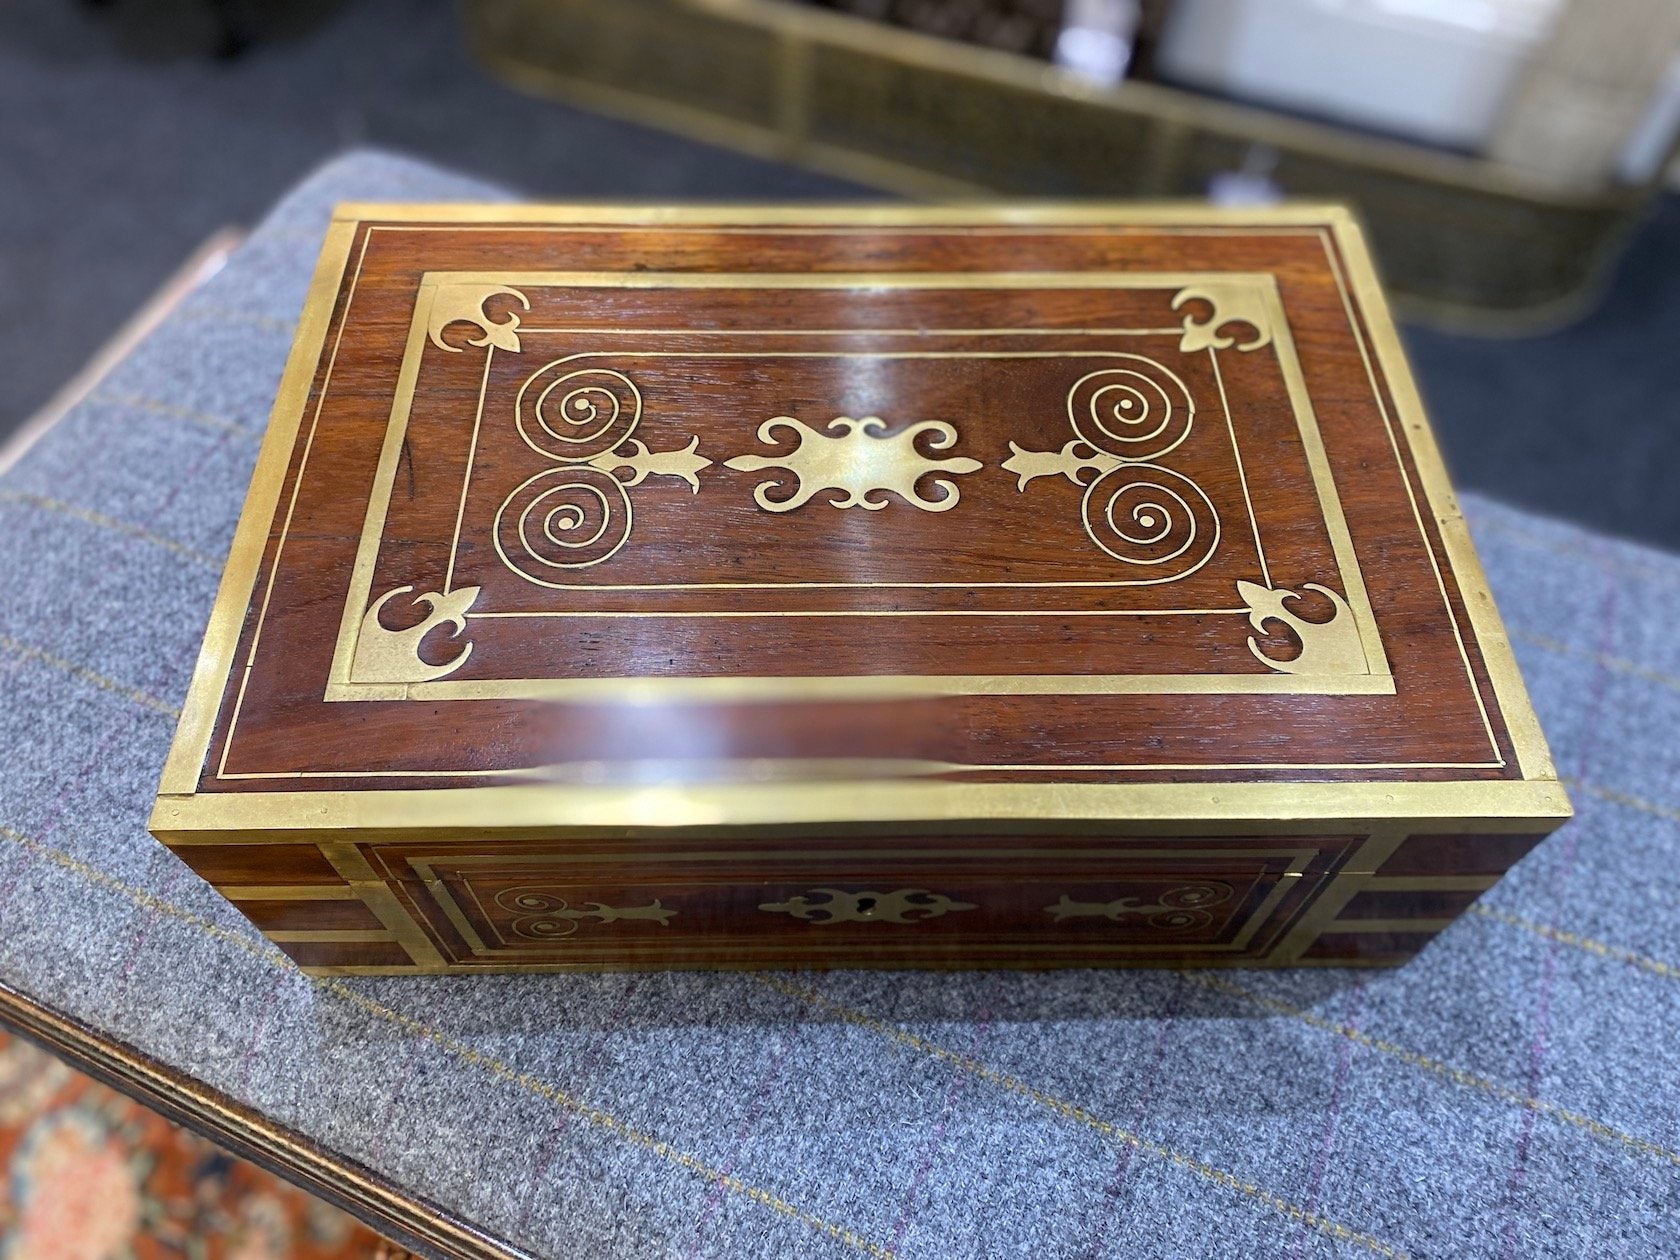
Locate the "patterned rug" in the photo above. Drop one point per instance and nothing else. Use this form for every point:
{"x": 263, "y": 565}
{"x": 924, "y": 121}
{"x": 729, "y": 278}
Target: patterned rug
{"x": 85, "y": 1173}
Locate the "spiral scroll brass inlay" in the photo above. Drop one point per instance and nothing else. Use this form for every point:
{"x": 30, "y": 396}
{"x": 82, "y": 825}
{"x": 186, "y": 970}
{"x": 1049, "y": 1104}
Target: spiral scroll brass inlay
{"x": 577, "y": 514}
{"x": 1136, "y": 510}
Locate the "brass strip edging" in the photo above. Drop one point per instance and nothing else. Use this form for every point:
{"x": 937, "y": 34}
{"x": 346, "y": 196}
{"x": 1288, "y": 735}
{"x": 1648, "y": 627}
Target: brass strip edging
{"x": 1522, "y": 725}
{"x": 1339, "y": 927}
{"x": 330, "y": 936}
{"x": 191, "y": 745}
{"x": 877, "y": 806}
{"x": 405, "y": 1218}
{"x": 1430, "y": 883}
{"x": 1323, "y": 909}
{"x": 348, "y": 861}
{"x": 287, "y": 892}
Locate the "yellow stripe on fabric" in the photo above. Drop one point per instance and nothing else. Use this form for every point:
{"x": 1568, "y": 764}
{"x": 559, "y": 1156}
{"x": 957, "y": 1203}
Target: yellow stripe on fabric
{"x": 157, "y": 407}
{"x": 258, "y": 949}
{"x": 1587, "y": 943}
{"x": 1074, "y": 1112}
{"x": 1446, "y": 1071}
{"x": 1615, "y": 664}
{"x": 89, "y": 676}
{"x": 603, "y": 1119}
{"x": 228, "y": 315}
{"x": 1624, "y": 798}
{"x": 90, "y": 517}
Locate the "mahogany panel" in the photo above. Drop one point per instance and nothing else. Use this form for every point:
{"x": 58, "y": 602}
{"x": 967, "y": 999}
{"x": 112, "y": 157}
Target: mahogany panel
{"x": 856, "y": 527}
{"x": 309, "y": 916}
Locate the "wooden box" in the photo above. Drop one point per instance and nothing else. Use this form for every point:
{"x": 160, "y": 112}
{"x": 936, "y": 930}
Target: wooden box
{"x": 684, "y": 587}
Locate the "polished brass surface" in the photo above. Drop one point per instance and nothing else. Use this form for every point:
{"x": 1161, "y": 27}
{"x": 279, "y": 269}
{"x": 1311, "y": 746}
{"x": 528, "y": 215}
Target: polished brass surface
{"x": 860, "y": 459}
{"x": 839, "y": 905}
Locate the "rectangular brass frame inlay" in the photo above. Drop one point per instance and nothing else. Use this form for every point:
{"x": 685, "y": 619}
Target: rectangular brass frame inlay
{"x": 1257, "y": 290}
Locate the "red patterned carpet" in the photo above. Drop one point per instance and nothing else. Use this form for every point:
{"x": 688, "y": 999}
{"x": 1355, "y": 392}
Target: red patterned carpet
{"x": 86, "y": 1174}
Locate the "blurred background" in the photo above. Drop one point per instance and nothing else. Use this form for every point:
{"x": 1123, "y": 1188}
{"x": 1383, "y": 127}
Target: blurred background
{"x": 1511, "y": 158}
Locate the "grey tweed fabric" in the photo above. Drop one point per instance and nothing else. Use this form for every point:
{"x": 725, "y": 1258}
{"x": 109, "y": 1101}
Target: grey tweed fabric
{"x": 1515, "y": 1091}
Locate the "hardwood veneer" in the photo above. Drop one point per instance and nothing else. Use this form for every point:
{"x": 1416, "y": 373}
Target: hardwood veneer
{"x": 732, "y": 587}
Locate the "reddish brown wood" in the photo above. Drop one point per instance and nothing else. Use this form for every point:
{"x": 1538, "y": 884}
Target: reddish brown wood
{"x": 711, "y": 585}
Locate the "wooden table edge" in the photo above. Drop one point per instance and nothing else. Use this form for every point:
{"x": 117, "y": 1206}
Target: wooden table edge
{"x": 409, "y": 1220}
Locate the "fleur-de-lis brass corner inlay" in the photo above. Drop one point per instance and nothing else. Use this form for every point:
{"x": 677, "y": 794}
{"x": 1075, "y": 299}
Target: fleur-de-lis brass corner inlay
{"x": 1126, "y": 420}
{"x": 542, "y": 916}
{"x": 1232, "y": 301}
{"x": 393, "y": 656}
{"x": 1175, "y": 910}
{"x": 861, "y": 459}
{"x": 464, "y": 303}
{"x": 577, "y": 513}
{"x": 1327, "y": 647}
{"x": 905, "y": 905}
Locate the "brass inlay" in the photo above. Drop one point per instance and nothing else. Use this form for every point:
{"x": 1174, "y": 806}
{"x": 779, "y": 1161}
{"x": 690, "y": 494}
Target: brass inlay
{"x": 859, "y": 458}
{"x": 296, "y": 417}
{"x": 1231, "y": 302}
{"x": 393, "y": 656}
{"x": 542, "y": 916}
{"x": 578, "y": 514}
{"x": 685, "y": 463}
{"x": 1176, "y": 910}
{"x": 904, "y": 905}
{"x": 1327, "y": 647}
{"x": 1135, "y": 510}
{"x": 464, "y": 304}
{"x": 1099, "y": 393}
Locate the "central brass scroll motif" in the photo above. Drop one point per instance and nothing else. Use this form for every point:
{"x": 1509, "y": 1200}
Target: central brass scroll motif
{"x": 541, "y": 916}
{"x": 1135, "y": 509}
{"x": 577, "y": 514}
{"x": 859, "y": 458}
{"x": 1176, "y": 910}
{"x": 905, "y": 905}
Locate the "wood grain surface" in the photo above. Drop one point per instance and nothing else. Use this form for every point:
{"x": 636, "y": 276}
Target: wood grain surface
{"x": 670, "y": 503}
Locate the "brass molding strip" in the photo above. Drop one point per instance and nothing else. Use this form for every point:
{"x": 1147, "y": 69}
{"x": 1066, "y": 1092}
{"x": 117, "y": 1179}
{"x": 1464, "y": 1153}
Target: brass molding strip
{"x": 1521, "y": 723}
{"x": 869, "y": 805}
{"x": 1339, "y": 926}
{"x": 404, "y": 1218}
{"x": 288, "y": 892}
{"x": 1430, "y": 883}
{"x": 215, "y": 661}
{"x": 331, "y": 936}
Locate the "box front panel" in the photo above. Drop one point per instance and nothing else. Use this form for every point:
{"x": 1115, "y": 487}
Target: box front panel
{"x": 838, "y": 902}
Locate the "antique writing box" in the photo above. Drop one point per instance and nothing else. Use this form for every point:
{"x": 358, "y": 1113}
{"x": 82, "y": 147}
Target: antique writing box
{"x": 899, "y": 587}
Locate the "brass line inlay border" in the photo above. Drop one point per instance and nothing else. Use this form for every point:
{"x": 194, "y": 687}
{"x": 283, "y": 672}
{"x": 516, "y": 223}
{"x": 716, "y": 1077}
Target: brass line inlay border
{"x": 1377, "y": 679}
{"x": 1541, "y": 798}
{"x": 1297, "y": 860}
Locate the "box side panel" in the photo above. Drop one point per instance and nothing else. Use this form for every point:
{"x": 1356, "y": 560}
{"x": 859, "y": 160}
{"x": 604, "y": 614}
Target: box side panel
{"x": 1344, "y": 897}
{"x": 756, "y": 901}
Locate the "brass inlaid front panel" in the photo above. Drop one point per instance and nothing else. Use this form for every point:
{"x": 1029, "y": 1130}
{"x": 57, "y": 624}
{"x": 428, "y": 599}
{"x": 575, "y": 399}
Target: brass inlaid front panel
{"x": 1008, "y": 900}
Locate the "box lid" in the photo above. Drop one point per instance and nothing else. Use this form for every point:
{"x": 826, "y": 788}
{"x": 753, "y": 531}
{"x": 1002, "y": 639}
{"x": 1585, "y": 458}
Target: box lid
{"x": 571, "y": 517}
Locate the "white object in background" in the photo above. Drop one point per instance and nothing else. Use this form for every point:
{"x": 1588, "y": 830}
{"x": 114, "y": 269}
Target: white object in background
{"x": 1435, "y": 70}
{"x": 1652, "y": 142}
{"x": 1097, "y": 38}
{"x": 1249, "y": 185}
